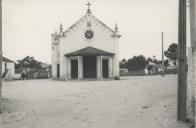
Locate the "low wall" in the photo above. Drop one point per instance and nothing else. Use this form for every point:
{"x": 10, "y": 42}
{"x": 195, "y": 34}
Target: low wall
{"x": 133, "y": 73}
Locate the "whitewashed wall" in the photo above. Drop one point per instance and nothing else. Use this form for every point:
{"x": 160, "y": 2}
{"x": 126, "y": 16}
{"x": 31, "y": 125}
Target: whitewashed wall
{"x": 10, "y": 66}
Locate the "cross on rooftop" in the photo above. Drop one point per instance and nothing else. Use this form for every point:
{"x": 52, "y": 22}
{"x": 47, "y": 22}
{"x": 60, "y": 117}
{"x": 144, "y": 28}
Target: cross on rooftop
{"x": 88, "y": 4}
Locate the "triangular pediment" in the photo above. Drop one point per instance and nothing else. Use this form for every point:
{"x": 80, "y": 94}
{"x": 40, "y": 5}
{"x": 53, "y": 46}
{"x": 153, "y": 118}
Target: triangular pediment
{"x": 88, "y": 18}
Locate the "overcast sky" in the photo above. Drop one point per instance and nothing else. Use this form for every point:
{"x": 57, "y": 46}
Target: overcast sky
{"x": 28, "y": 24}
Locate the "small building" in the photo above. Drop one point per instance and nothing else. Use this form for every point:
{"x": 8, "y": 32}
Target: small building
{"x": 88, "y": 49}
{"x": 153, "y": 68}
{"x": 123, "y": 70}
{"x": 8, "y": 68}
{"x": 46, "y": 67}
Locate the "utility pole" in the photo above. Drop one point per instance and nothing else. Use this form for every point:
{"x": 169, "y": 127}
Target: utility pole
{"x": 163, "y": 67}
{"x": 0, "y": 53}
{"x": 181, "y": 98}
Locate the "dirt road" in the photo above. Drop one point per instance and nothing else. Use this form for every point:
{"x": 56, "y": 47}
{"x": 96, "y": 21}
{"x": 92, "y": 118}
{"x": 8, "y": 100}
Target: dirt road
{"x": 133, "y": 102}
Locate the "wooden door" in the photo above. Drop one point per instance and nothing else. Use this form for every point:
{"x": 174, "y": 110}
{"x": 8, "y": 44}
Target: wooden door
{"x": 58, "y": 70}
{"x": 89, "y": 67}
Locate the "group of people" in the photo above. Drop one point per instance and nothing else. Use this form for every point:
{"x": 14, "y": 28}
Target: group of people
{"x": 24, "y": 75}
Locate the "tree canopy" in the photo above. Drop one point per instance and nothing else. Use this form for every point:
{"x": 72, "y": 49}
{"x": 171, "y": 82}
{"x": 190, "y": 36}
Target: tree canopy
{"x": 172, "y": 52}
{"x": 28, "y": 62}
{"x": 135, "y": 63}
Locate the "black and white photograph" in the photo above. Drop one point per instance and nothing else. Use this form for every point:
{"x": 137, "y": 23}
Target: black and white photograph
{"x": 97, "y": 63}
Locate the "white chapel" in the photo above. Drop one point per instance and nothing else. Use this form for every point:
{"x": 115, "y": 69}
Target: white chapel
{"x": 87, "y": 50}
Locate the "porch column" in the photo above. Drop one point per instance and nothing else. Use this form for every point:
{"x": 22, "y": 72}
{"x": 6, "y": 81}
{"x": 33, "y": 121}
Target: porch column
{"x": 110, "y": 65}
{"x": 114, "y": 66}
{"x": 99, "y": 67}
{"x": 68, "y": 68}
{"x": 80, "y": 67}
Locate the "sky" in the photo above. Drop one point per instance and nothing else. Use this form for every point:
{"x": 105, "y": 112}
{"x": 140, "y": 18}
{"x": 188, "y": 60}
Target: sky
{"x": 28, "y": 24}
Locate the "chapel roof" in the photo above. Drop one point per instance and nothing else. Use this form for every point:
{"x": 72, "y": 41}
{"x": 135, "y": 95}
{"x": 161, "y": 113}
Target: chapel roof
{"x": 89, "y": 51}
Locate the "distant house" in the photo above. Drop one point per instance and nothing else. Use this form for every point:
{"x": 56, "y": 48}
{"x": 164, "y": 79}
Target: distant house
{"x": 46, "y": 67}
{"x": 123, "y": 70}
{"x": 8, "y": 68}
{"x": 47, "y": 71}
{"x": 153, "y": 68}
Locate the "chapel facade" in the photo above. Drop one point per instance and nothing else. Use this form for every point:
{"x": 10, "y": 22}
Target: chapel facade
{"x": 87, "y": 50}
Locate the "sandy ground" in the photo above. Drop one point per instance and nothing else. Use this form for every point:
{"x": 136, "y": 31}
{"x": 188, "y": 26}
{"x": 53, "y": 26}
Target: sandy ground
{"x": 133, "y": 102}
